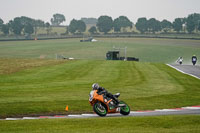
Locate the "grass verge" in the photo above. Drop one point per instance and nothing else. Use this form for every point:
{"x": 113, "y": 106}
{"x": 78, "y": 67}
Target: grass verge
{"x": 152, "y": 124}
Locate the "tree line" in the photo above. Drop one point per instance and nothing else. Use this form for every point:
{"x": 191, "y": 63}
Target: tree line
{"x": 22, "y": 25}
{"x": 105, "y": 24}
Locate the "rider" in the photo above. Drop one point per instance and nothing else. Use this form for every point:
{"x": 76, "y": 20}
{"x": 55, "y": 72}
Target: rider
{"x": 180, "y": 60}
{"x": 194, "y": 59}
{"x": 101, "y": 90}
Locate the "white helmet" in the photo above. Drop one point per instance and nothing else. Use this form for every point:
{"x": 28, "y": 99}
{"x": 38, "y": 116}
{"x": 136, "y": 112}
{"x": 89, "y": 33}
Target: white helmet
{"x": 95, "y": 86}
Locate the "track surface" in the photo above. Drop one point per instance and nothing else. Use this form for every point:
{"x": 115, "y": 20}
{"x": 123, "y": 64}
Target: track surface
{"x": 187, "y": 69}
{"x": 195, "y": 110}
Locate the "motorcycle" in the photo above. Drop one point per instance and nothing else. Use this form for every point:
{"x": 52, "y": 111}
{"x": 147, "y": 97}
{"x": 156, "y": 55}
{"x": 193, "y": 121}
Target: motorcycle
{"x": 103, "y": 104}
{"x": 194, "y": 61}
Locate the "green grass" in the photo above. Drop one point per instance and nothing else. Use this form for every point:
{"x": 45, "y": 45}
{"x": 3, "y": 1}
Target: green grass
{"x": 33, "y": 86}
{"x": 48, "y": 88}
{"x": 147, "y": 50}
{"x": 153, "y": 124}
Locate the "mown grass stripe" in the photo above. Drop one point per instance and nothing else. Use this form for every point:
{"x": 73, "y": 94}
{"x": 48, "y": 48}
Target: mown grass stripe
{"x": 49, "y": 88}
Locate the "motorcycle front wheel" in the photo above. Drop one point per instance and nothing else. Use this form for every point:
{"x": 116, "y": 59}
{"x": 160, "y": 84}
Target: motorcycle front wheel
{"x": 100, "y": 109}
{"x": 124, "y": 110}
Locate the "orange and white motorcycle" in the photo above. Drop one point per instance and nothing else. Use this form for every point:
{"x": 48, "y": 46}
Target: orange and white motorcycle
{"x": 103, "y": 104}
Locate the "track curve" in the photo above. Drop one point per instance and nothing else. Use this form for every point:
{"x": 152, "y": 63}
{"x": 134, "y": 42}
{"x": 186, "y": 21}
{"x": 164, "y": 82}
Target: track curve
{"x": 191, "y": 70}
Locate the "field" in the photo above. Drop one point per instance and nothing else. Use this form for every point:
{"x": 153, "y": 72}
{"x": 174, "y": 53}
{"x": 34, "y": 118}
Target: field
{"x": 32, "y": 82}
{"x": 147, "y": 50}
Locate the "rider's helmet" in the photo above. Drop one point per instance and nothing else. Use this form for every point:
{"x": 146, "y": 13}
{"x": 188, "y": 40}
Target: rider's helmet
{"x": 95, "y": 86}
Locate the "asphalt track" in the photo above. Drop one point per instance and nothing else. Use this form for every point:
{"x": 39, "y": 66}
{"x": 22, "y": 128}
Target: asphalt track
{"x": 195, "y": 110}
{"x": 191, "y": 70}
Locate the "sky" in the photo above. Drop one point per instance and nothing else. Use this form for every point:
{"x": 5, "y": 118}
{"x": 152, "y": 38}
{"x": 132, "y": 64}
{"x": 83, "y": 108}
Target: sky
{"x": 133, "y": 9}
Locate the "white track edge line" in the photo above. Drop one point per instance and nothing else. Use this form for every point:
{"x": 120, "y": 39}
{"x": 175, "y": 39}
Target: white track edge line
{"x": 191, "y": 107}
{"x": 166, "y": 110}
{"x": 82, "y": 115}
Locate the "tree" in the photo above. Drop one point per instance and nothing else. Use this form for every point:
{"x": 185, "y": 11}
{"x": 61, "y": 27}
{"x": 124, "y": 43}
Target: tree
{"x": 57, "y": 19}
{"x": 198, "y": 26}
{"x": 178, "y": 24}
{"x": 5, "y": 29}
{"x": 76, "y": 26}
{"x": 190, "y": 25}
{"x": 153, "y": 25}
{"x": 196, "y": 20}
{"x": 28, "y": 29}
{"x": 192, "y": 22}
{"x": 48, "y": 27}
{"x": 105, "y": 24}
{"x": 81, "y": 26}
{"x": 27, "y": 25}
{"x": 116, "y": 25}
{"x": 121, "y": 22}
{"x": 166, "y": 25}
{"x": 93, "y": 30}
{"x": 72, "y": 26}
{"x": 1, "y": 23}
{"x": 26, "y": 20}
{"x": 141, "y": 25}
{"x": 16, "y": 26}
{"x": 20, "y": 24}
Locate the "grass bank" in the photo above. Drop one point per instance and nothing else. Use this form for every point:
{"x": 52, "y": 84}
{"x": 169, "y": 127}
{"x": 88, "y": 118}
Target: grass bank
{"x": 153, "y": 124}
{"x": 49, "y": 87}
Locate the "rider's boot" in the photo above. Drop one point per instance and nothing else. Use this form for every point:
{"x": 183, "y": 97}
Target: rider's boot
{"x": 118, "y": 102}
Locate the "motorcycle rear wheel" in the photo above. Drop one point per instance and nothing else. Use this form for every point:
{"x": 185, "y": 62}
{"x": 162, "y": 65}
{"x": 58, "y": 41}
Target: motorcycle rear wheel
{"x": 100, "y": 109}
{"x": 124, "y": 110}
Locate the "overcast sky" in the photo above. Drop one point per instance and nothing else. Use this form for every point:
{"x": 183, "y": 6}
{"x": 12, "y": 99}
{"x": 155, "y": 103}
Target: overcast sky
{"x": 133, "y": 9}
